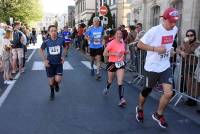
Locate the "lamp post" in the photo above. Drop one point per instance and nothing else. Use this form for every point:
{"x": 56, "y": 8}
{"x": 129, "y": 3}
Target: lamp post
{"x": 64, "y": 19}
{"x": 95, "y": 7}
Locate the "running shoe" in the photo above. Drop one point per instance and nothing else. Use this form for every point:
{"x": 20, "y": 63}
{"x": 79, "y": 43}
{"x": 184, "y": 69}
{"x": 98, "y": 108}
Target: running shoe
{"x": 105, "y": 91}
{"x": 9, "y": 82}
{"x": 160, "y": 120}
{"x": 92, "y": 72}
{"x": 139, "y": 114}
{"x": 122, "y": 103}
{"x": 98, "y": 76}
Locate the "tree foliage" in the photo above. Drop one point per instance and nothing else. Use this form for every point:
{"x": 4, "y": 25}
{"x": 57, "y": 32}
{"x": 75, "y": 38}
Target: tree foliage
{"x": 26, "y": 11}
{"x": 91, "y": 19}
{"x": 109, "y": 15}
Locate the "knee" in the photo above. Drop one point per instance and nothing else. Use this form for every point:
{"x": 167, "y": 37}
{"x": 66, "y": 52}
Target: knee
{"x": 146, "y": 91}
{"x": 168, "y": 94}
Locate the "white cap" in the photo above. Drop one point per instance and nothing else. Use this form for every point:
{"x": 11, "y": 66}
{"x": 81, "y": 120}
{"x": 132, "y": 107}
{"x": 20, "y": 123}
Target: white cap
{"x": 96, "y": 18}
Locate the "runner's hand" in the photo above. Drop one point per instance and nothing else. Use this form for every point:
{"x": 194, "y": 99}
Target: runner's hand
{"x": 160, "y": 49}
{"x": 46, "y": 63}
{"x": 62, "y": 60}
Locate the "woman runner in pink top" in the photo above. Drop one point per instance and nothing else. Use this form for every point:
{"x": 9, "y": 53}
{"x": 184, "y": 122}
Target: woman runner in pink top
{"x": 115, "y": 51}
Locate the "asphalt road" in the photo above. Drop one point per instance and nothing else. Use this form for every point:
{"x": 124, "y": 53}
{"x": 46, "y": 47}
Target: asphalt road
{"x": 79, "y": 107}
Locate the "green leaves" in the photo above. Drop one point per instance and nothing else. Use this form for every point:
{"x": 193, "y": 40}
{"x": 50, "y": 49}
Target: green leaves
{"x": 26, "y": 11}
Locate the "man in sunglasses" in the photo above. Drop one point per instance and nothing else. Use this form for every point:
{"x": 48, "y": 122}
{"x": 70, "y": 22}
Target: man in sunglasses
{"x": 158, "y": 44}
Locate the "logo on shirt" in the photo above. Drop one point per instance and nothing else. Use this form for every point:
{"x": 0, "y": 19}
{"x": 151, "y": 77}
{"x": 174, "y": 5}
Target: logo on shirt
{"x": 167, "y": 39}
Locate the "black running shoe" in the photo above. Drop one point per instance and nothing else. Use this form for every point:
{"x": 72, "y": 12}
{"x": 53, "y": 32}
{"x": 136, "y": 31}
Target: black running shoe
{"x": 160, "y": 120}
{"x": 92, "y": 72}
{"x": 139, "y": 114}
{"x": 98, "y": 76}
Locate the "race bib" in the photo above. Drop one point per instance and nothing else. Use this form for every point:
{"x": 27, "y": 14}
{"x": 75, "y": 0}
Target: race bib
{"x": 97, "y": 38}
{"x": 97, "y": 41}
{"x": 54, "y": 50}
{"x": 119, "y": 64}
{"x": 165, "y": 56}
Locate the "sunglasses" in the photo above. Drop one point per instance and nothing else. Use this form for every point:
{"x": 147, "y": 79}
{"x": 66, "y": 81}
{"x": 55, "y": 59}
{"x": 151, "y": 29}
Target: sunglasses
{"x": 190, "y": 35}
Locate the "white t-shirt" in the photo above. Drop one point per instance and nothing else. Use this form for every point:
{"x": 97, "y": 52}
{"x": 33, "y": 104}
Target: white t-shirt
{"x": 158, "y": 36}
{"x": 5, "y": 42}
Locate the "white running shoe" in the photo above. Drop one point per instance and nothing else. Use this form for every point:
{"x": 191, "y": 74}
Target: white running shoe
{"x": 9, "y": 82}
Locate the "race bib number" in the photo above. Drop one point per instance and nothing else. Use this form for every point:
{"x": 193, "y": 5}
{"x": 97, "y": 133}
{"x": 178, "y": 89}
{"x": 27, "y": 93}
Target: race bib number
{"x": 119, "y": 64}
{"x": 54, "y": 50}
{"x": 97, "y": 38}
{"x": 165, "y": 56}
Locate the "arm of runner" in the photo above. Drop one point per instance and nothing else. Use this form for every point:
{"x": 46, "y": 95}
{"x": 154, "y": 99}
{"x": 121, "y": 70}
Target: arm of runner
{"x": 146, "y": 47}
{"x": 64, "y": 53}
{"x": 42, "y": 54}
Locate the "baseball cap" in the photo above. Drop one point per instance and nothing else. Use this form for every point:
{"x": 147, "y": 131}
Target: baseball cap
{"x": 96, "y": 18}
{"x": 171, "y": 14}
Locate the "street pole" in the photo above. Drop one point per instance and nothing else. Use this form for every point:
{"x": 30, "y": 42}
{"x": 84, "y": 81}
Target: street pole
{"x": 95, "y": 7}
{"x": 64, "y": 20}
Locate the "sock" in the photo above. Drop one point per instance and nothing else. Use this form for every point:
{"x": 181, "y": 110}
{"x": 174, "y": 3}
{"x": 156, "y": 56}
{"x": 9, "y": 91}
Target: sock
{"x": 108, "y": 85}
{"x": 92, "y": 64}
{"x": 121, "y": 91}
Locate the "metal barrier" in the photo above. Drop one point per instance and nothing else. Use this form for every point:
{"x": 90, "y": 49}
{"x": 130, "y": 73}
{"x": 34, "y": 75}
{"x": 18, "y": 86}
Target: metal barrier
{"x": 186, "y": 78}
{"x": 185, "y": 72}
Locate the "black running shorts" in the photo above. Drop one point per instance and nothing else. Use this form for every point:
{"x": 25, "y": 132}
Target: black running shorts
{"x": 152, "y": 78}
{"x": 54, "y": 69}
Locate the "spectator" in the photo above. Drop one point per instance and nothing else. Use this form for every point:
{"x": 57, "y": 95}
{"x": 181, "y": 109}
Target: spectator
{"x": 188, "y": 47}
{"x": 17, "y": 46}
{"x": 6, "y": 57}
{"x": 131, "y": 38}
{"x": 124, "y": 32}
{"x": 33, "y": 36}
{"x": 80, "y": 36}
{"x": 139, "y": 31}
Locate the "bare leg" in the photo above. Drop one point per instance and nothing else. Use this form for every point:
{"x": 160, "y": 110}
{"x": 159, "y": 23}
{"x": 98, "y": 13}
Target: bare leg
{"x": 165, "y": 98}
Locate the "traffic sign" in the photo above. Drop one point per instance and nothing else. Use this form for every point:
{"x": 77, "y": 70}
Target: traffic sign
{"x": 103, "y": 10}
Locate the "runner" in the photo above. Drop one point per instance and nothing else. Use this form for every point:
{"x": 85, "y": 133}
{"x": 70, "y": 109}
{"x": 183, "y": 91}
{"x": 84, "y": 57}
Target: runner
{"x": 158, "y": 43}
{"x": 115, "y": 51}
{"x": 66, "y": 35}
{"x": 95, "y": 36}
{"x": 54, "y": 59}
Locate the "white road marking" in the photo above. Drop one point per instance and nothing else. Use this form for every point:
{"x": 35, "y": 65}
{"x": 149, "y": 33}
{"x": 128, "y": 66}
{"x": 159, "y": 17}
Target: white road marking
{"x": 33, "y": 52}
{"x": 88, "y": 64}
{"x": 67, "y": 66}
{"x": 10, "y": 87}
{"x": 39, "y": 65}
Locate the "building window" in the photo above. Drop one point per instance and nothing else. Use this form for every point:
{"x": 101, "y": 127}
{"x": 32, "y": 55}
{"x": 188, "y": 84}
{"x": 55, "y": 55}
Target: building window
{"x": 155, "y": 15}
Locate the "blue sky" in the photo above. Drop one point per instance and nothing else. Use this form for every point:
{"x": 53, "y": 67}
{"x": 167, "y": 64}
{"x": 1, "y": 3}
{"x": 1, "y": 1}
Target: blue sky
{"x": 56, "y": 6}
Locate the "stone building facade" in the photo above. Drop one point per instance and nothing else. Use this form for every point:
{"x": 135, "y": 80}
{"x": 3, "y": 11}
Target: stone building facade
{"x": 148, "y": 11}
{"x": 83, "y": 10}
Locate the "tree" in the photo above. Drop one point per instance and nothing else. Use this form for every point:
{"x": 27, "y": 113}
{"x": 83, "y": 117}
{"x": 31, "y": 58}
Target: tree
{"x": 26, "y": 11}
